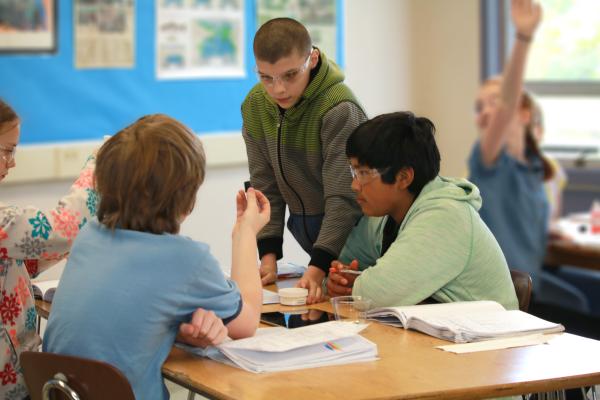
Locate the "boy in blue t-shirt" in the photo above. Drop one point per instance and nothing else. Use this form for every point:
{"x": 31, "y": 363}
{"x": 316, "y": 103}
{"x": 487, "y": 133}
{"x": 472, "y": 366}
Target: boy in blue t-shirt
{"x": 131, "y": 280}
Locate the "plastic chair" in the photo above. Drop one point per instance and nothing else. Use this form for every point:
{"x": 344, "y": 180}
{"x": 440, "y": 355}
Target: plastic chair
{"x": 69, "y": 377}
{"x": 523, "y": 285}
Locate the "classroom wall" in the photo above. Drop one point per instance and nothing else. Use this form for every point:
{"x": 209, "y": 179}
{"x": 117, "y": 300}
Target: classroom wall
{"x": 421, "y": 56}
{"x": 407, "y": 55}
{"x": 445, "y": 65}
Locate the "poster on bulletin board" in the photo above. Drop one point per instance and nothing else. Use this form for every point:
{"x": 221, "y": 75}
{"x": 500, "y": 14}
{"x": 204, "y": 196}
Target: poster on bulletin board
{"x": 319, "y": 17}
{"x": 199, "y": 39}
{"x": 62, "y": 104}
{"x": 104, "y": 33}
{"x": 27, "y": 26}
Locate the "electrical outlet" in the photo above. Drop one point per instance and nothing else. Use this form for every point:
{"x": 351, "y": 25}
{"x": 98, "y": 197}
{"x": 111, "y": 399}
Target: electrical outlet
{"x": 71, "y": 159}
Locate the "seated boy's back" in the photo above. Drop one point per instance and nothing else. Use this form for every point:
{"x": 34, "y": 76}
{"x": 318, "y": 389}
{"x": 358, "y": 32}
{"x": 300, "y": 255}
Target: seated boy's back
{"x": 123, "y": 295}
{"x": 131, "y": 279}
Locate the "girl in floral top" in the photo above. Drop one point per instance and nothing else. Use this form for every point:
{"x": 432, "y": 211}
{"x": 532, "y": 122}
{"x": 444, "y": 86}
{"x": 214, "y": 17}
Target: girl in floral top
{"x": 31, "y": 240}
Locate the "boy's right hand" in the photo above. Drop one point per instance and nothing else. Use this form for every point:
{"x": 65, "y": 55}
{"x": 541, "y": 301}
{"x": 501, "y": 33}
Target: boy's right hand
{"x": 205, "y": 329}
{"x": 526, "y": 16}
{"x": 253, "y": 210}
{"x": 338, "y": 283}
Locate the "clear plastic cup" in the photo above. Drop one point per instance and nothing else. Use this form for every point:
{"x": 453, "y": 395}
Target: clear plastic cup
{"x": 351, "y": 308}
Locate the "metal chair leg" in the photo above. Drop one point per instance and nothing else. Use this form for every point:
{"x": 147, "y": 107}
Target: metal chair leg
{"x": 591, "y": 393}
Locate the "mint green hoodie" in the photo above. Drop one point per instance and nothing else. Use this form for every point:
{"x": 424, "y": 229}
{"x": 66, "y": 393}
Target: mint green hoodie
{"x": 443, "y": 250}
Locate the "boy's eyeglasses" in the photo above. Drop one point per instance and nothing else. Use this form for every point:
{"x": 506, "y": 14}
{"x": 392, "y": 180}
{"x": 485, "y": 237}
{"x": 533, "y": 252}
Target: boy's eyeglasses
{"x": 8, "y": 155}
{"x": 366, "y": 175}
{"x": 285, "y": 78}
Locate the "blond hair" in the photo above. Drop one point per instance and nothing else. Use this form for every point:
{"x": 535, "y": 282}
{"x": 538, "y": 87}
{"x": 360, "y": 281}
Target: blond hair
{"x": 528, "y": 103}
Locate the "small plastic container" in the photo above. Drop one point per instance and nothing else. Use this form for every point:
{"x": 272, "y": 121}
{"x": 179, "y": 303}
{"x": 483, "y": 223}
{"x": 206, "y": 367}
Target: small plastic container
{"x": 293, "y": 296}
{"x": 595, "y": 218}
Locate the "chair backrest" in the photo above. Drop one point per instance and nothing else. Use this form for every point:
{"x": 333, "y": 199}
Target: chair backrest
{"x": 89, "y": 379}
{"x": 523, "y": 285}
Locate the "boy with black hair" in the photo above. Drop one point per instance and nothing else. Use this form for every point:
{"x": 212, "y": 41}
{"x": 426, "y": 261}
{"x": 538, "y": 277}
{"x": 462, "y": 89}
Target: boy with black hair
{"x": 296, "y": 122}
{"x": 421, "y": 237}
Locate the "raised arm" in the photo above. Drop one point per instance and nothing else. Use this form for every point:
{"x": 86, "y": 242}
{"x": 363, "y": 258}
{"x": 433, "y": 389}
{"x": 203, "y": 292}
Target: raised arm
{"x": 253, "y": 212}
{"x": 526, "y": 16}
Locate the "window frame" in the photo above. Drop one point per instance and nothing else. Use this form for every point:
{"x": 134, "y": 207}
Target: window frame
{"x": 497, "y": 39}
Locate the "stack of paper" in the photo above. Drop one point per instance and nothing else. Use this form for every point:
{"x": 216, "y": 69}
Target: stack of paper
{"x": 280, "y": 349}
{"x": 463, "y": 322}
{"x": 290, "y": 270}
{"x": 578, "y": 227}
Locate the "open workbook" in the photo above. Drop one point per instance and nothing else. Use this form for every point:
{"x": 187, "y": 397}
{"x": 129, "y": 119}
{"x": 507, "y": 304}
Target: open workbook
{"x": 281, "y": 349}
{"x": 44, "y": 290}
{"x": 462, "y": 322}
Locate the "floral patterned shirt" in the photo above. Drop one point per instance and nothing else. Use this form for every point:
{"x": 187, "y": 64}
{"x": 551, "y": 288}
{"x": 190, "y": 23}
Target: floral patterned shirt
{"x": 32, "y": 240}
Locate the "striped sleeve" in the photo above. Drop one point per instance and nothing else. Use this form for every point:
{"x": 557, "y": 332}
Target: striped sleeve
{"x": 341, "y": 209}
{"x": 270, "y": 238}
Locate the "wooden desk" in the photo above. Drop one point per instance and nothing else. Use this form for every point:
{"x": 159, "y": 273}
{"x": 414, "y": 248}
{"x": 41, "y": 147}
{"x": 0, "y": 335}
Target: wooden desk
{"x": 564, "y": 252}
{"x": 410, "y": 368}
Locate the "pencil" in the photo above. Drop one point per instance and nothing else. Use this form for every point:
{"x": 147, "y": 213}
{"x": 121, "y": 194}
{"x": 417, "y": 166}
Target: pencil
{"x": 350, "y": 271}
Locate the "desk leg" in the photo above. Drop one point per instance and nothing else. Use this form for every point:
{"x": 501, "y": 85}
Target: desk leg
{"x": 191, "y": 395}
{"x": 39, "y": 324}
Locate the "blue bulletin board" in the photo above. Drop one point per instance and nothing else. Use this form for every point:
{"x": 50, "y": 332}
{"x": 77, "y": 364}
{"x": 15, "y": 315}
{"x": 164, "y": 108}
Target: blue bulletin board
{"x": 59, "y": 103}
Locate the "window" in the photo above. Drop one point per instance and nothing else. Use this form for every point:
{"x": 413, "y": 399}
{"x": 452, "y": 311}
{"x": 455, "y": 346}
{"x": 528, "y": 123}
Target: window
{"x": 567, "y": 46}
{"x": 563, "y": 69}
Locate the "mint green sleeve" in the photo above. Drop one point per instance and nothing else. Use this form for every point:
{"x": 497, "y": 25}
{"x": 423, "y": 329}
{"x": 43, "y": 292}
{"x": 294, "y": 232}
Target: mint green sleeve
{"x": 432, "y": 248}
{"x": 363, "y": 243}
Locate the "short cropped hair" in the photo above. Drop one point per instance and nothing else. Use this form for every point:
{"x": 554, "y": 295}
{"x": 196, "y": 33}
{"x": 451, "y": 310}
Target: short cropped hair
{"x": 8, "y": 117}
{"x": 396, "y": 141}
{"x": 147, "y": 175}
{"x": 279, "y": 38}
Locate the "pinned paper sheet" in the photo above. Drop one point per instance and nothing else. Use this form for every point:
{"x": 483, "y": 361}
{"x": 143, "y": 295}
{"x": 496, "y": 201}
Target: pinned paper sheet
{"x": 497, "y": 344}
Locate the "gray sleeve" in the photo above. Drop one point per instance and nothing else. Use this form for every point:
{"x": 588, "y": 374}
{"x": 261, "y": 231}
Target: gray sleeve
{"x": 341, "y": 210}
{"x": 262, "y": 177}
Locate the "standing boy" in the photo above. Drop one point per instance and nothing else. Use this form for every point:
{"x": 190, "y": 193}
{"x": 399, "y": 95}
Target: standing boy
{"x": 296, "y": 122}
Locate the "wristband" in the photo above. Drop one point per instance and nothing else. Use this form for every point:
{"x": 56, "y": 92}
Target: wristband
{"x": 524, "y": 38}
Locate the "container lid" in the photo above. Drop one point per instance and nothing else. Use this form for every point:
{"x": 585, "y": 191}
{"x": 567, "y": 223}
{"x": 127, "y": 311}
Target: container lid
{"x": 293, "y": 292}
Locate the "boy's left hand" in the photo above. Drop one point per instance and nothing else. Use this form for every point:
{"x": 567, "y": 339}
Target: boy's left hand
{"x": 205, "y": 329}
{"x": 312, "y": 280}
